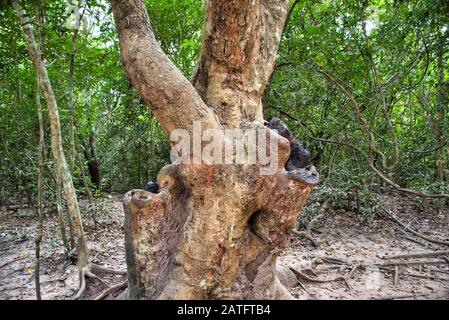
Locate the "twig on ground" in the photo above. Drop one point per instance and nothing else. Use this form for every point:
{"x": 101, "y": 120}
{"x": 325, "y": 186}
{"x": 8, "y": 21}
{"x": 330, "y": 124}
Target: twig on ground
{"x": 403, "y": 296}
{"x": 421, "y": 276}
{"x": 52, "y": 280}
{"x": 426, "y": 254}
{"x": 354, "y": 268}
{"x": 395, "y": 219}
{"x": 332, "y": 260}
{"x": 410, "y": 263}
{"x": 415, "y": 241}
{"x": 11, "y": 261}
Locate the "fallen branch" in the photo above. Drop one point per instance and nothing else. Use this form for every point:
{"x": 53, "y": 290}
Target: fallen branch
{"x": 409, "y": 263}
{"x": 421, "y": 276}
{"x": 393, "y": 217}
{"x": 13, "y": 260}
{"x": 415, "y": 241}
{"x": 418, "y": 255}
{"x": 403, "y": 296}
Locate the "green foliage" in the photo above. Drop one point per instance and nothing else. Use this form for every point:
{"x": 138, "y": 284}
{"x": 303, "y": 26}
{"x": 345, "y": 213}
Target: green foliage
{"x": 385, "y": 54}
{"x": 131, "y": 147}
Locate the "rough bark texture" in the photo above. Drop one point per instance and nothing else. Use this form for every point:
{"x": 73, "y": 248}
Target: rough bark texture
{"x": 240, "y": 42}
{"x": 212, "y": 231}
{"x": 56, "y": 139}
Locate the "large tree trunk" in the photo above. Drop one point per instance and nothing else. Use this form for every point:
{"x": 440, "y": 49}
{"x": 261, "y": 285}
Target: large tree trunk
{"x": 212, "y": 230}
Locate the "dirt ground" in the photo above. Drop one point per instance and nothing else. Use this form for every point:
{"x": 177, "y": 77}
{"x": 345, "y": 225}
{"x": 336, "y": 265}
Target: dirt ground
{"x": 345, "y": 265}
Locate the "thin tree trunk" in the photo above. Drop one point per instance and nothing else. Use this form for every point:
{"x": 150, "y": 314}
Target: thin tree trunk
{"x": 441, "y": 104}
{"x": 68, "y": 247}
{"x": 93, "y": 162}
{"x": 40, "y": 165}
{"x": 39, "y": 192}
{"x": 56, "y": 139}
{"x": 87, "y": 189}
{"x": 71, "y": 102}
{"x": 93, "y": 165}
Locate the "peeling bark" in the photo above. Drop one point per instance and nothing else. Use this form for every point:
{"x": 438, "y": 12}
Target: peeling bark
{"x": 240, "y": 43}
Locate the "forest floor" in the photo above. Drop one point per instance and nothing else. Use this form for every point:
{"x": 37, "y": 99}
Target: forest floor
{"x": 345, "y": 244}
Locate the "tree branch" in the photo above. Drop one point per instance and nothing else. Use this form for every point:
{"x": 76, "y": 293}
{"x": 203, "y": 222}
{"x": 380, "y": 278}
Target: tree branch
{"x": 171, "y": 97}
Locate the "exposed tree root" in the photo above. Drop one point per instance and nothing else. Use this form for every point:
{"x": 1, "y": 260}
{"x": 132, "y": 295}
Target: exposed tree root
{"x": 304, "y": 288}
{"x": 306, "y": 235}
{"x": 88, "y": 271}
{"x": 389, "y": 266}
{"x": 337, "y": 261}
{"x": 306, "y": 277}
{"x": 308, "y": 232}
{"x": 113, "y": 289}
{"x": 82, "y": 286}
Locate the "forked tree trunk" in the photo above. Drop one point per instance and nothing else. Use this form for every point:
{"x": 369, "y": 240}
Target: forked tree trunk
{"x": 212, "y": 230}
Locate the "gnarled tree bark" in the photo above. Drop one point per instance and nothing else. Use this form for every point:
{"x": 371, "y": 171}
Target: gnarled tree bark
{"x": 212, "y": 231}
